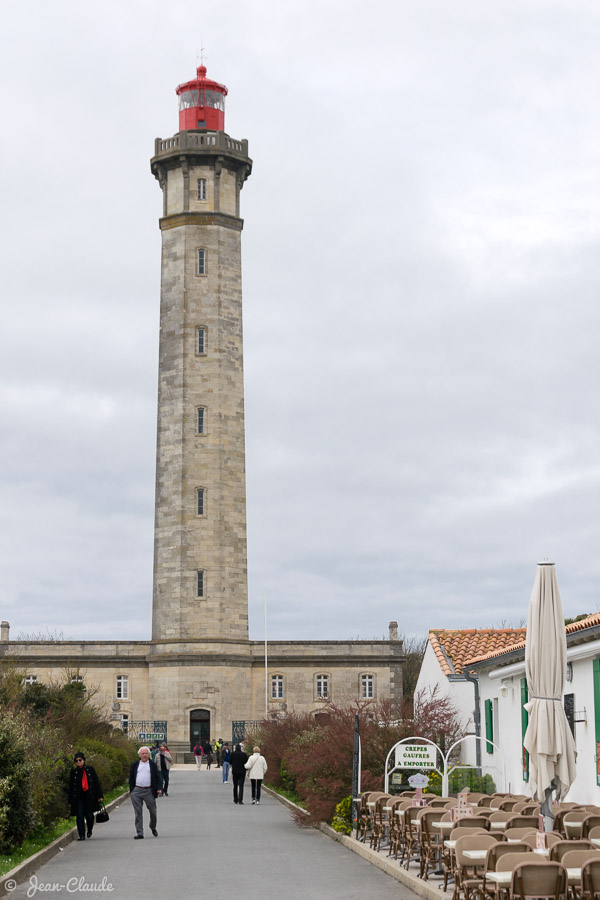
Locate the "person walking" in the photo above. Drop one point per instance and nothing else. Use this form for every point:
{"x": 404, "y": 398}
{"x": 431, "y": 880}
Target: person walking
{"x": 85, "y": 795}
{"x": 257, "y": 767}
{"x": 164, "y": 761}
{"x": 218, "y": 745}
{"x": 143, "y": 788}
{"x": 208, "y": 756}
{"x": 198, "y": 754}
{"x": 238, "y": 773}
{"x": 225, "y": 757}
{"x": 154, "y": 750}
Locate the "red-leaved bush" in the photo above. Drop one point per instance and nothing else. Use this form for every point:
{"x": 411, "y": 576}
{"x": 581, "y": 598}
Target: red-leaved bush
{"x": 313, "y": 758}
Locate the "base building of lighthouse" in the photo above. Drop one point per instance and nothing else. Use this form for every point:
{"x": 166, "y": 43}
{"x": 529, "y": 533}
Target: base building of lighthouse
{"x": 200, "y": 676}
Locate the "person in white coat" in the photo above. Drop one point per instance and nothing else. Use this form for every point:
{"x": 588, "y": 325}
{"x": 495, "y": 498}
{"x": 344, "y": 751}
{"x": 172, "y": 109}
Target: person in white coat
{"x": 256, "y": 766}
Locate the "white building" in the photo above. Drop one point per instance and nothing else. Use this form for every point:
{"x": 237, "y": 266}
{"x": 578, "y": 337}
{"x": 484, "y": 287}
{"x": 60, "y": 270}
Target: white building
{"x": 503, "y": 692}
{"x": 443, "y": 667}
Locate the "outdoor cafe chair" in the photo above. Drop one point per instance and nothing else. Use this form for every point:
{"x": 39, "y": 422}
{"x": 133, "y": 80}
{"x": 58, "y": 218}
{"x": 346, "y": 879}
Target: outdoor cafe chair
{"x": 534, "y": 880}
{"x": 430, "y": 841}
{"x": 499, "y": 818}
{"x": 572, "y": 824}
{"x": 506, "y": 863}
{"x": 485, "y": 801}
{"x": 551, "y": 839}
{"x": 576, "y": 859}
{"x": 591, "y": 821}
{"x": 438, "y": 802}
{"x": 520, "y": 805}
{"x": 590, "y": 880}
{"x": 558, "y": 819}
{"x": 397, "y": 827}
{"x": 522, "y": 821}
{"x": 469, "y": 872}
{"x": 393, "y": 822}
{"x": 561, "y": 847}
{"x": 448, "y": 858}
{"x": 378, "y": 820}
{"x": 517, "y": 834}
{"x": 410, "y": 839}
{"x": 370, "y": 806}
{"x": 594, "y": 834}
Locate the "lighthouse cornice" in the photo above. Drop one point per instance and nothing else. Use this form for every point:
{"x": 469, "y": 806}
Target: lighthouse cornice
{"x": 200, "y": 145}
{"x": 200, "y": 218}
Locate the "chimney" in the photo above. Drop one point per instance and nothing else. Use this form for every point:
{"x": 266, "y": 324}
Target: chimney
{"x": 393, "y": 631}
{"x": 4, "y": 630}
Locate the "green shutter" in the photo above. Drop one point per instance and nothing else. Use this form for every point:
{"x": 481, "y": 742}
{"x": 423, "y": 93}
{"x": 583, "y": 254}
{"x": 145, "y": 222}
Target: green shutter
{"x": 489, "y": 725}
{"x": 597, "y": 715}
{"x": 524, "y": 723}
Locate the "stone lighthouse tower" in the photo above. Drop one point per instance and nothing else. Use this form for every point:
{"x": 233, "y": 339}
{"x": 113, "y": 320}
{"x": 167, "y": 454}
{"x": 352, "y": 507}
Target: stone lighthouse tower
{"x": 200, "y": 584}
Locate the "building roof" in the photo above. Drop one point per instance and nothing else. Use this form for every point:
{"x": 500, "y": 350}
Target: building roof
{"x": 591, "y": 621}
{"x": 454, "y": 647}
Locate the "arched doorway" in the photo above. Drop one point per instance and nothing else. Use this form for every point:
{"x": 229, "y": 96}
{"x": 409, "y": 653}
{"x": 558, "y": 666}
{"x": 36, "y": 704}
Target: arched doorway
{"x": 199, "y": 727}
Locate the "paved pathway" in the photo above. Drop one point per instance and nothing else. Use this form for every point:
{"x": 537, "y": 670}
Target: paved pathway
{"x": 209, "y": 847}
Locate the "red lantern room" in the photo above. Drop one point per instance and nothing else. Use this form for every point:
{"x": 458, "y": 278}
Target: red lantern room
{"x": 201, "y": 103}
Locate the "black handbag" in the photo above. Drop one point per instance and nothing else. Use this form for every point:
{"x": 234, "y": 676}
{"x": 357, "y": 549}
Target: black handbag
{"x": 102, "y": 815}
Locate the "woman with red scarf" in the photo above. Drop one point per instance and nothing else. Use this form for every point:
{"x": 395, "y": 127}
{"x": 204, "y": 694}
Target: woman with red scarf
{"x": 85, "y": 795}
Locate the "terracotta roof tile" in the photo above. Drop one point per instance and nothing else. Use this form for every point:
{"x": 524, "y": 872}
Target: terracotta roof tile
{"x": 453, "y": 647}
{"x": 573, "y": 628}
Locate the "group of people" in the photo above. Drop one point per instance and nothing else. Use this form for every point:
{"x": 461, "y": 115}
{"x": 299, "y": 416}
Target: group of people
{"x": 211, "y": 751}
{"x": 149, "y": 778}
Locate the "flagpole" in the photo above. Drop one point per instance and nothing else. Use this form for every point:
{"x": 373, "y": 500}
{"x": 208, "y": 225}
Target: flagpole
{"x": 266, "y": 664}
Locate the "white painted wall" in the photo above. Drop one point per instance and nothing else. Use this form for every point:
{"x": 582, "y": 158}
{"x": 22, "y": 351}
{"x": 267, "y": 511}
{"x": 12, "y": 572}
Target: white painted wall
{"x": 461, "y": 692}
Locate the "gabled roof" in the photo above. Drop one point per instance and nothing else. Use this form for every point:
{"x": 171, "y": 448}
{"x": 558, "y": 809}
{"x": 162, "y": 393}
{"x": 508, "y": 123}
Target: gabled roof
{"x": 572, "y": 629}
{"x": 453, "y": 647}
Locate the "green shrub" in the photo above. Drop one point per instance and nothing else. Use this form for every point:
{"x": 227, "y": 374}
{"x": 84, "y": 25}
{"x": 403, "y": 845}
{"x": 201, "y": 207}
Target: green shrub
{"x": 342, "y": 821}
{"x": 16, "y": 811}
{"x": 468, "y": 777}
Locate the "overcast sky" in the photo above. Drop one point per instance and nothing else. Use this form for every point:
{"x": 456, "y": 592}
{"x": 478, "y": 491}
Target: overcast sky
{"x": 421, "y": 306}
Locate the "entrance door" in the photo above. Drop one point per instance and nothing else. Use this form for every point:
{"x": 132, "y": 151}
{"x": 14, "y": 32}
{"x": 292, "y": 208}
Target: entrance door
{"x": 199, "y": 727}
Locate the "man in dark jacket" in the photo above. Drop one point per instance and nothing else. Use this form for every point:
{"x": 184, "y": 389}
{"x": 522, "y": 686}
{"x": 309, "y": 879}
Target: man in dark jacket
{"x": 143, "y": 788}
{"x": 85, "y": 795}
{"x": 238, "y": 773}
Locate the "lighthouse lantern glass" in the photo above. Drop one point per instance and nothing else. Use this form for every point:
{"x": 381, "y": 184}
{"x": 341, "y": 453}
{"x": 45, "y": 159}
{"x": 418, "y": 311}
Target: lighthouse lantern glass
{"x": 189, "y": 99}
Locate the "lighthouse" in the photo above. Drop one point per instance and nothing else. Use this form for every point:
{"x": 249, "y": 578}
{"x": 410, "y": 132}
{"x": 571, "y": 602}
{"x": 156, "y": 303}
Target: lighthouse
{"x": 200, "y": 557}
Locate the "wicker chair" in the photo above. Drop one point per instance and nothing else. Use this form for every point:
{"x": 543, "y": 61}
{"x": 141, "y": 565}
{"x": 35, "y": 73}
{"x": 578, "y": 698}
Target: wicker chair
{"x": 591, "y": 821}
{"x": 561, "y": 847}
{"x": 378, "y": 820}
{"x": 537, "y": 880}
{"x": 573, "y": 823}
{"x": 551, "y": 839}
{"x": 494, "y": 855}
{"x": 517, "y": 834}
{"x": 590, "y": 880}
{"x": 469, "y": 873}
{"x": 430, "y": 841}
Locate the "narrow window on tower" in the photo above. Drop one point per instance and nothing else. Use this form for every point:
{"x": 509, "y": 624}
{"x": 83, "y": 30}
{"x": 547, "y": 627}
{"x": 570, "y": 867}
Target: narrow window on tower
{"x": 201, "y": 341}
{"x": 201, "y": 262}
{"x": 200, "y": 584}
{"x": 201, "y": 189}
{"x": 199, "y": 501}
{"x": 201, "y": 420}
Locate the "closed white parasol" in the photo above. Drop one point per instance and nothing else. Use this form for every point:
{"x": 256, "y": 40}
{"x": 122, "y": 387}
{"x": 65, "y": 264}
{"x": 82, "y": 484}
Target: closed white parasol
{"x": 548, "y": 738}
